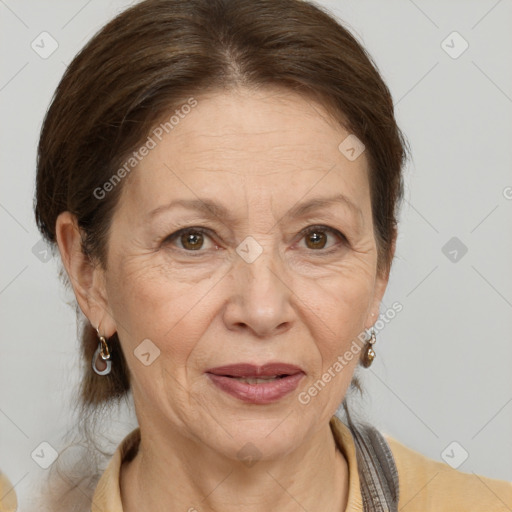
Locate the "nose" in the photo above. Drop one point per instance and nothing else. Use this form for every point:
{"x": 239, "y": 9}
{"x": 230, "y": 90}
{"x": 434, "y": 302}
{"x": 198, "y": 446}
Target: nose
{"x": 259, "y": 296}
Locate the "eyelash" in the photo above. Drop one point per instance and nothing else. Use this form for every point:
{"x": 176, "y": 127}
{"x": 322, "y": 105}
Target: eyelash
{"x": 303, "y": 233}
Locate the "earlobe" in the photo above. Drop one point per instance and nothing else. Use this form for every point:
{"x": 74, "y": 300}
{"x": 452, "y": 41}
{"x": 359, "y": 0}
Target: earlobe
{"x": 84, "y": 275}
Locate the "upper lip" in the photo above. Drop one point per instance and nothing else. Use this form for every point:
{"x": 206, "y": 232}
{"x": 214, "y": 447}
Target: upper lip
{"x": 250, "y": 370}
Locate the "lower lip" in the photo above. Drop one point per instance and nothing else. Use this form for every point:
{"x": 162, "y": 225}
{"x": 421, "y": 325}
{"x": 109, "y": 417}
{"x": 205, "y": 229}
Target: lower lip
{"x": 263, "y": 393}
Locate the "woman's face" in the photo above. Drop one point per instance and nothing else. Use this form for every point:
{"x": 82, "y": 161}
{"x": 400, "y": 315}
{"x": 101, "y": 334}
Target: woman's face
{"x": 251, "y": 287}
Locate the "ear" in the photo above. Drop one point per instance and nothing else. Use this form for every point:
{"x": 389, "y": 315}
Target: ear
{"x": 381, "y": 283}
{"x": 86, "y": 277}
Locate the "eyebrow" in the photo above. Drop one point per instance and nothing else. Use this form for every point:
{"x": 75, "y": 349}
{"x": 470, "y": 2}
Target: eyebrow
{"x": 214, "y": 209}
{"x": 323, "y": 202}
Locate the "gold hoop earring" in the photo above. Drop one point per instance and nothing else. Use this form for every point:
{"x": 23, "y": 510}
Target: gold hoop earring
{"x": 102, "y": 355}
{"x": 369, "y": 354}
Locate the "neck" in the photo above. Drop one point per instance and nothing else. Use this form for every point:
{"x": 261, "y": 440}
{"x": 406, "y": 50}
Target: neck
{"x": 181, "y": 475}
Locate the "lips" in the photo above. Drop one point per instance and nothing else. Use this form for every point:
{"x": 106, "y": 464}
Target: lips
{"x": 256, "y": 384}
{"x": 247, "y": 370}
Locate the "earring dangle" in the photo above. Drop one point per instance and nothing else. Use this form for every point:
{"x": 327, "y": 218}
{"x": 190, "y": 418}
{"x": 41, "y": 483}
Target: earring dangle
{"x": 369, "y": 353}
{"x": 102, "y": 356}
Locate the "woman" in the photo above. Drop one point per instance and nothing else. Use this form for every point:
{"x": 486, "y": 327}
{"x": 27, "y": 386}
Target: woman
{"x": 222, "y": 180}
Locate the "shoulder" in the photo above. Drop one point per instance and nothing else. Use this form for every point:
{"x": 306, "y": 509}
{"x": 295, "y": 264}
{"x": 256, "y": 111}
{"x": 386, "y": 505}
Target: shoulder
{"x": 8, "y": 501}
{"x": 107, "y": 494}
{"x": 427, "y": 484}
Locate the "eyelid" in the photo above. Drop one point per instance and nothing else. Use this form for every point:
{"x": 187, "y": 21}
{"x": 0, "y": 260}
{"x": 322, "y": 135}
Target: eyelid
{"x": 204, "y": 231}
{"x": 321, "y": 227}
{"x": 302, "y": 233}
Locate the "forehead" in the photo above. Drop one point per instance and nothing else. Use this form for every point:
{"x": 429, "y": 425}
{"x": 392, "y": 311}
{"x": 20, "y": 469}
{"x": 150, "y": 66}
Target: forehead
{"x": 245, "y": 145}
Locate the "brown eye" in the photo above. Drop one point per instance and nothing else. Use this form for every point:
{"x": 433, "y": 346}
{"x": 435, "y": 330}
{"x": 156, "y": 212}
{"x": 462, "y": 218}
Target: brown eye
{"x": 317, "y": 239}
{"x": 192, "y": 240}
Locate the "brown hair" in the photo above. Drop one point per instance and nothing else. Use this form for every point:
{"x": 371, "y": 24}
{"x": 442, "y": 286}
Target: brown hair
{"x": 149, "y": 60}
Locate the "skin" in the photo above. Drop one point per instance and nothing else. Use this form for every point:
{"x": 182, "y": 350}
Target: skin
{"x": 258, "y": 153}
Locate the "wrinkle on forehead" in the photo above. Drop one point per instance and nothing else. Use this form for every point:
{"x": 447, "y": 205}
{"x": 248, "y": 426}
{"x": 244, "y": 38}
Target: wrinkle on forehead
{"x": 243, "y": 148}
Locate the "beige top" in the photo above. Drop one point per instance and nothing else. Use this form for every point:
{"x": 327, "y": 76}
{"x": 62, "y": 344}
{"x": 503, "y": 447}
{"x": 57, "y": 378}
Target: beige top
{"x": 425, "y": 484}
{"x": 8, "y": 501}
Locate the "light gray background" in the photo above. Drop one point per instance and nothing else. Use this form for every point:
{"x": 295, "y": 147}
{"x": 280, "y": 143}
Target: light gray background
{"x": 443, "y": 371}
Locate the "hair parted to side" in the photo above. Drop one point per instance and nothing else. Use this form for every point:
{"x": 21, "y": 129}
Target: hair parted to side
{"x": 154, "y": 56}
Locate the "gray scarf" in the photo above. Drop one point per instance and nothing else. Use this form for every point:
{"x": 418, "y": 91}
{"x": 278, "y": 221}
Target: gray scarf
{"x": 377, "y": 470}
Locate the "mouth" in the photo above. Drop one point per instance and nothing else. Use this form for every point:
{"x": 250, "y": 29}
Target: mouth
{"x": 250, "y": 371}
{"x": 256, "y": 384}
{"x": 256, "y": 380}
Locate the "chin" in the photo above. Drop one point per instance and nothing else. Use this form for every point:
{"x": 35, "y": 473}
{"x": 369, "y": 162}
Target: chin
{"x": 260, "y": 438}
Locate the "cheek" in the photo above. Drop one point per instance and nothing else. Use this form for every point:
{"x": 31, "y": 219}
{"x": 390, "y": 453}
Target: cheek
{"x": 149, "y": 302}
{"x": 338, "y": 305}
